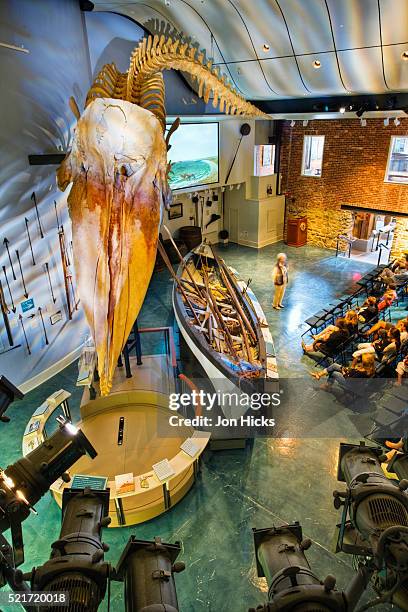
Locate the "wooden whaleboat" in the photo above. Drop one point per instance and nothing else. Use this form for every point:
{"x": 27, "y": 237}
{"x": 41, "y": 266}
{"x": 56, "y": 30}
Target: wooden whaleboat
{"x": 223, "y": 323}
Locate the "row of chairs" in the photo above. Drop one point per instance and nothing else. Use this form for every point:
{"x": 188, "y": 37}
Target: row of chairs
{"x": 368, "y": 285}
{"x": 332, "y": 311}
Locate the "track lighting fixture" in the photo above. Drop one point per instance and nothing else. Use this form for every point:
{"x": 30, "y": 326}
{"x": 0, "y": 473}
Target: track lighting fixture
{"x": 386, "y": 121}
{"x": 22, "y": 49}
{"x": 396, "y": 122}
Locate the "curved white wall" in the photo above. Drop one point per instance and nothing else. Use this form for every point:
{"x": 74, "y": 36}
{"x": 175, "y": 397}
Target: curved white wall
{"x": 35, "y": 118}
{"x": 66, "y": 48}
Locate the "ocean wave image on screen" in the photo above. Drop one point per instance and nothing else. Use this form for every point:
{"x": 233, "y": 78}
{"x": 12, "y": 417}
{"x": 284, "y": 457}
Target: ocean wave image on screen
{"x": 194, "y": 155}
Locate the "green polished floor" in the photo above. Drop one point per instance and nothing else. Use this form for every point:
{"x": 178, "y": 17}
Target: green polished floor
{"x": 274, "y": 481}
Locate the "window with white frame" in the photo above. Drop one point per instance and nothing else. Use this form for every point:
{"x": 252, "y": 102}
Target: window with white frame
{"x": 312, "y": 161}
{"x": 397, "y": 165}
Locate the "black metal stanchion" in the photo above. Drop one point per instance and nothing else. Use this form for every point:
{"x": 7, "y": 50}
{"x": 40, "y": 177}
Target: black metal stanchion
{"x": 138, "y": 345}
{"x": 379, "y": 256}
{"x": 127, "y": 361}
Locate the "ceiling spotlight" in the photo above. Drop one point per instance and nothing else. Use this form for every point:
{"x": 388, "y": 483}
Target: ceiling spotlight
{"x": 404, "y": 56}
{"x": 266, "y": 47}
{"x": 317, "y": 64}
{"x": 363, "y": 122}
{"x": 342, "y": 109}
{"x": 386, "y": 121}
{"x": 396, "y": 122}
{"x": 292, "y": 123}
{"x": 305, "y": 122}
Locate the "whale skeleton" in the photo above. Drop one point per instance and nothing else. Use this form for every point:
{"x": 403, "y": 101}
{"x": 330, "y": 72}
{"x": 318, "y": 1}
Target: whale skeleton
{"x": 119, "y": 173}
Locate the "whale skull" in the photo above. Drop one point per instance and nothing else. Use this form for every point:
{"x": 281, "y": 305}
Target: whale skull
{"x": 117, "y": 167}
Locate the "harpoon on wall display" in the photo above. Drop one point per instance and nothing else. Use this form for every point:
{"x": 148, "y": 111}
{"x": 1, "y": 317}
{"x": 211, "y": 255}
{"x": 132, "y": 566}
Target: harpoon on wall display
{"x": 194, "y": 155}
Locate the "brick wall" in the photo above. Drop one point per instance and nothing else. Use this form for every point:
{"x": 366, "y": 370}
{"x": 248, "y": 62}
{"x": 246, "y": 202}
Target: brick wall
{"x": 354, "y": 163}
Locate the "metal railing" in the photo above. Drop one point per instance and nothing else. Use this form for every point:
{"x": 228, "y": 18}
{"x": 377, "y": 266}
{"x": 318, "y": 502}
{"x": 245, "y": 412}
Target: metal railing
{"x": 380, "y": 247}
{"x": 348, "y": 240}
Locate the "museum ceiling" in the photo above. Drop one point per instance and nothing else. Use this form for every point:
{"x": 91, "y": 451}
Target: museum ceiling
{"x": 274, "y": 49}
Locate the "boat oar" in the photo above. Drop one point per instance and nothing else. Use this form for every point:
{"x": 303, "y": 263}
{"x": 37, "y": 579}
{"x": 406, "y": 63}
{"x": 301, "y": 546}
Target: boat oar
{"x": 183, "y": 263}
{"x": 170, "y": 268}
{"x": 233, "y": 295}
{"x": 220, "y": 321}
{"x": 244, "y": 335}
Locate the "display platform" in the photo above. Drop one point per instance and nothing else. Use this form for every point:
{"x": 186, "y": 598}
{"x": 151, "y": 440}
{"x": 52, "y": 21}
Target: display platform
{"x": 147, "y": 440}
{"x": 131, "y": 432}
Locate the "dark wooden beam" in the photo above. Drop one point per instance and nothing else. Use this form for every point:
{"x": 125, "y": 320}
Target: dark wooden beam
{"x": 46, "y": 159}
{"x": 376, "y": 211}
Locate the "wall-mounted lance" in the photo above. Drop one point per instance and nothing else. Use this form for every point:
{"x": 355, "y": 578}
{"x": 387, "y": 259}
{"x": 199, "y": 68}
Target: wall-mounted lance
{"x": 34, "y": 199}
{"x": 56, "y": 214}
{"x": 13, "y": 308}
{"x": 47, "y": 269}
{"x": 22, "y": 275}
{"x": 5, "y": 311}
{"x": 29, "y": 240}
{"x": 75, "y": 302}
{"x": 43, "y": 325}
{"x": 62, "y": 232}
{"x": 25, "y": 335}
{"x": 6, "y": 244}
{"x": 65, "y": 270}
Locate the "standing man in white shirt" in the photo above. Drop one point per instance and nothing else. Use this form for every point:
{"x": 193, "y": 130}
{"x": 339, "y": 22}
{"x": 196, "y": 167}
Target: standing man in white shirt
{"x": 280, "y": 280}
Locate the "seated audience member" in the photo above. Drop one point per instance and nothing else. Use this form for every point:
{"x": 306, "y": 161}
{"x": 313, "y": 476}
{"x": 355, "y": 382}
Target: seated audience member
{"x": 329, "y": 345}
{"x": 403, "y": 328}
{"x": 383, "y": 348}
{"x": 399, "y": 447}
{"x": 387, "y": 325}
{"x": 369, "y": 310}
{"x": 351, "y": 320}
{"x": 402, "y": 370}
{"x": 400, "y": 264}
{"x": 337, "y": 373}
{"x": 387, "y": 299}
{"x": 394, "y": 278}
